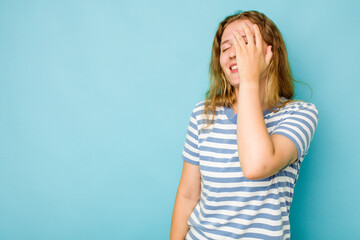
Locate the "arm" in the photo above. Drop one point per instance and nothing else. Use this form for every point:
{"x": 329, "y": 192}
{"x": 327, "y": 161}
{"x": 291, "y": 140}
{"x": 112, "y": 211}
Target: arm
{"x": 187, "y": 197}
{"x": 260, "y": 154}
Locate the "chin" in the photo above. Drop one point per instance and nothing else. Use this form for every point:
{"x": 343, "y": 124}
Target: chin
{"x": 235, "y": 83}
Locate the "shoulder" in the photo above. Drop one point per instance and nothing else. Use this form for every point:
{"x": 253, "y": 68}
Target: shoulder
{"x": 203, "y": 116}
{"x": 298, "y": 111}
{"x": 200, "y": 105}
{"x": 199, "y": 109}
{"x": 299, "y": 107}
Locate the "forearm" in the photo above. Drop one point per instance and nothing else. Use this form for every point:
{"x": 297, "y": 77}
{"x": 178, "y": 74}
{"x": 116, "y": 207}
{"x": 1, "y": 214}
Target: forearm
{"x": 182, "y": 210}
{"x": 254, "y": 143}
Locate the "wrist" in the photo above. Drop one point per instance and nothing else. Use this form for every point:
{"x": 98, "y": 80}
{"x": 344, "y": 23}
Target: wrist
{"x": 249, "y": 85}
{"x": 250, "y": 78}
{"x": 248, "y": 91}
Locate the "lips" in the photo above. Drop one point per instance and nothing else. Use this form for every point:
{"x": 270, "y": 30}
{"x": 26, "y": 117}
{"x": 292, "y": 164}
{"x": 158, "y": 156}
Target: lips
{"x": 233, "y": 70}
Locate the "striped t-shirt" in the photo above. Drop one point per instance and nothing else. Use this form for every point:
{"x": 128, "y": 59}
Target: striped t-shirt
{"x": 232, "y": 206}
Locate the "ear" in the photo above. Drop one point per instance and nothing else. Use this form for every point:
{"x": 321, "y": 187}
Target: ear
{"x": 268, "y": 54}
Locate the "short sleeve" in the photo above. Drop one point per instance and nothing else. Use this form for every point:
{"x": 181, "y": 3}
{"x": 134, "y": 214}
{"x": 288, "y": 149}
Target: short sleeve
{"x": 299, "y": 124}
{"x": 190, "y": 152}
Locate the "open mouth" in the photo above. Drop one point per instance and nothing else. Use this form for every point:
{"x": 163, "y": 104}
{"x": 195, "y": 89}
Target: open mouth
{"x": 234, "y": 69}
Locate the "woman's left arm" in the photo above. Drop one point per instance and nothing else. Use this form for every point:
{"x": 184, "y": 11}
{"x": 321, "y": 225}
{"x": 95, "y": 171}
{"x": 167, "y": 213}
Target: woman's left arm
{"x": 260, "y": 154}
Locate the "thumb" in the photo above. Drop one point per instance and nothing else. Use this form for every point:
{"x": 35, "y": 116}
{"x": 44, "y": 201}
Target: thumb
{"x": 269, "y": 54}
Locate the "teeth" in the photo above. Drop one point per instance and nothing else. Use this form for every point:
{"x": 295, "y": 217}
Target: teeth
{"x": 234, "y": 67}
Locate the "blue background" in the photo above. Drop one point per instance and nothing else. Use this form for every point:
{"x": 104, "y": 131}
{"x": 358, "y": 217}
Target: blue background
{"x": 95, "y": 98}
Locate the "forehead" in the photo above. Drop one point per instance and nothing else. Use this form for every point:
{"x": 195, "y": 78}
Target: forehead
{"x": 236, "y": 26}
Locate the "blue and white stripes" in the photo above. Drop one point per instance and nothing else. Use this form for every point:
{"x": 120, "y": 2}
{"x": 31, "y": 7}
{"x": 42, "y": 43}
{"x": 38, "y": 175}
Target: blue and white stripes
{"x": 232, "y": 206}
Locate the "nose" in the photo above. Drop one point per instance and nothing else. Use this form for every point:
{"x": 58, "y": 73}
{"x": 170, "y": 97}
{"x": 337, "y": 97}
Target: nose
{"x": 232, "y": 53}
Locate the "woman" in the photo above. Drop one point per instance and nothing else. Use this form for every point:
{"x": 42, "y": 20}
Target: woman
{"x": 240, "y": 169}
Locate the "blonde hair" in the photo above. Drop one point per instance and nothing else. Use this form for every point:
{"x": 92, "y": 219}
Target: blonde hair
{"x": 279, "y": 81}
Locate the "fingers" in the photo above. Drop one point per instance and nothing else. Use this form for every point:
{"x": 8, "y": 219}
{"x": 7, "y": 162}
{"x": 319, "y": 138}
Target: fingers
{"x": 239, "y": 41}
{"x": 249, "y": 35}
{"x": 259, "y": 46}
{"x": 253, "y": 41}
{"x": 258, "y": 37}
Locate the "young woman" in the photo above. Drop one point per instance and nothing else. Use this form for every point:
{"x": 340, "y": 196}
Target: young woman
{"x": 241, "y": 167}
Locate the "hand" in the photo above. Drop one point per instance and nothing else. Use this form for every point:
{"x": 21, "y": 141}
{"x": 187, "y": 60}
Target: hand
{"x": 250, "y": 58}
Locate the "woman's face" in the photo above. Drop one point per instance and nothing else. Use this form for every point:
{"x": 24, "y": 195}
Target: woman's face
{"x": 227, "y": 50}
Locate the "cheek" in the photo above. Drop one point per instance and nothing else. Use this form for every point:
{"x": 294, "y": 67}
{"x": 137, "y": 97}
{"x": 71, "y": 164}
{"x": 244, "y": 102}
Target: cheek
{"x": 222, "y": 63}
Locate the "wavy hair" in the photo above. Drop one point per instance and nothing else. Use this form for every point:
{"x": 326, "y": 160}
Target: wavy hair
{"x": 279, "y": 82}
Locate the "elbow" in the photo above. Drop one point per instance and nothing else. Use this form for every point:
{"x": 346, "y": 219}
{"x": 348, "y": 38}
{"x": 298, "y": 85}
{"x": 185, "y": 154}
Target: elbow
{"x": 254, "y": 167}
{"x": 258, "y": 173}
{"x": 193, "y": 195}
{"x": 252, "y": 175}
{"x": 255, "y": 171}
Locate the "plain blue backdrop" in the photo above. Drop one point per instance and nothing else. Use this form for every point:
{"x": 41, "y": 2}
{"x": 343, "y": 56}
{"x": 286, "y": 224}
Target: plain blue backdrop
{"x": 95, "y": 98}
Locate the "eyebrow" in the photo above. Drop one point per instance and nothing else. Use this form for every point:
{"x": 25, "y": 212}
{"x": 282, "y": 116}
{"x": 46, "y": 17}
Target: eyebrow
{"x": 224, "y": 42}
{"x": 229, "y": 41}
